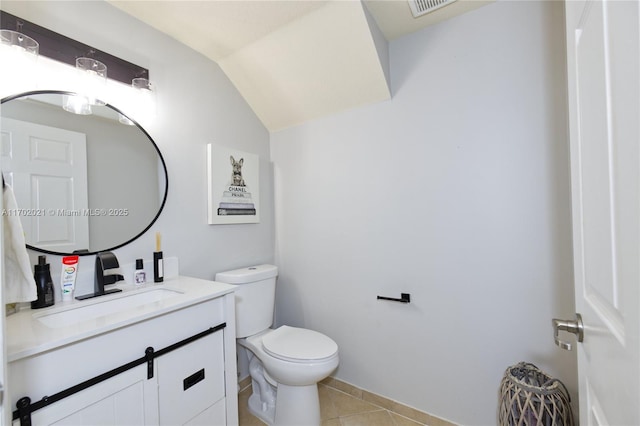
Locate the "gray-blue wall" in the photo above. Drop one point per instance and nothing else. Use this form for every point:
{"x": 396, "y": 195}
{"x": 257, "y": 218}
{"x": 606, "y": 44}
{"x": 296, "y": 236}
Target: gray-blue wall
{"x": 455, "y": 191}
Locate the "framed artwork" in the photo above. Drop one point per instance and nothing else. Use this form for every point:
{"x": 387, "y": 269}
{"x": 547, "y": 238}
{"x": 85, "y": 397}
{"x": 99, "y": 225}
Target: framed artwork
{"x": 234, "y": 193}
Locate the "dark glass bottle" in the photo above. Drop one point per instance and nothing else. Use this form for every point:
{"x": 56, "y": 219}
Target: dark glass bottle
{"x": 44, "y": 284}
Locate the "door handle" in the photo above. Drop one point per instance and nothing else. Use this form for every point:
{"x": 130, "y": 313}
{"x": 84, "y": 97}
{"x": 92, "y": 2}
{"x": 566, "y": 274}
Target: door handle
{"x": 576, "y": 327}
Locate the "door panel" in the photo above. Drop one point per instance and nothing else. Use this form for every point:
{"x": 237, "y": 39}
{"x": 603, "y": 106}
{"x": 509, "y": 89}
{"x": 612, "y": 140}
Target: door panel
{"x": 191, "y": 378}
{"x": 604, "y": 96}
{"x": 5, "y": 409}
{"x": 125, "y": 399}
{"x": 47, "y": 166}
{"x": 596, "y": 169}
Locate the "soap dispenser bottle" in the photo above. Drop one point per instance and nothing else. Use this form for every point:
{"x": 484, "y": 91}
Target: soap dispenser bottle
{"x": 139, "y": 276}
{"x": 44, "y": 284}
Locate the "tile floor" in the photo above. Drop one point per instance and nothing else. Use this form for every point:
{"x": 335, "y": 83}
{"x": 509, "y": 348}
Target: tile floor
{"x": 336, "y": 409}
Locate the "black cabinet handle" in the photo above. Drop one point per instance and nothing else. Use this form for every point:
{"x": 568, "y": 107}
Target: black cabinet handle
{"x": 196, "y": 377}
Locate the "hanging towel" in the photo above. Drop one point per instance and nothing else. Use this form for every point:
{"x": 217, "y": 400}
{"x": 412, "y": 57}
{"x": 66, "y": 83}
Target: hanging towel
{"x": 19, "y": 284}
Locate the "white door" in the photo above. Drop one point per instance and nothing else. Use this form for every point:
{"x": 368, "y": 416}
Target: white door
{"x": 604, "y": 95}
{"x": 47, "y": 168}
{"x": 5, "y": 409}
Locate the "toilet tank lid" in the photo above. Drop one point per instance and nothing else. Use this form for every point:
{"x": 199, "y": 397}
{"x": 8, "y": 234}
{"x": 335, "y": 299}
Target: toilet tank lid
{"x": 247, "y": 275}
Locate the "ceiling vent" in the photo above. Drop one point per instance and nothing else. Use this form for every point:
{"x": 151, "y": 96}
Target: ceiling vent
{"x": 421, "y": 7}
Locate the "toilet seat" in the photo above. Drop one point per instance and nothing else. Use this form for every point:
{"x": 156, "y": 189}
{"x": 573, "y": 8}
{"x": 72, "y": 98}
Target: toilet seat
{"x": 298, "y": 344}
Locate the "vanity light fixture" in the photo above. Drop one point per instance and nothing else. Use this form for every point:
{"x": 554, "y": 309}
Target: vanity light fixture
{"x": 144, "y": 98}
{"x": 142, "y": 83}
{"x": 92, "y": 76}
{"x": 19, "y": 54}
{"x": 19, "y": 42}
{"x": 64, "y": 50}
{"x": 77, "y": 104}
{"x": 125, "y": 120}
{"x": 92, "y": 85}
{"x": 145, "y": 93}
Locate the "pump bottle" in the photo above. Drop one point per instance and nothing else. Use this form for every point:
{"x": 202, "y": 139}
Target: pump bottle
{"x": 44, "y": 284}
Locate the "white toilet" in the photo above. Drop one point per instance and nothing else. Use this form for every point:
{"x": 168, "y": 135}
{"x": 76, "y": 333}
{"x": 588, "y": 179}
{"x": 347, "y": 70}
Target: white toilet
{"x": 285, "y": 363}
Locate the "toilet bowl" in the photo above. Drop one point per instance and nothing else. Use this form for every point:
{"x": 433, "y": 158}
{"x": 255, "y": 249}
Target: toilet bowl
{"x": 285, "y": 383}
{"x": 285, "y": 363}
{"x": 294, "y": 356}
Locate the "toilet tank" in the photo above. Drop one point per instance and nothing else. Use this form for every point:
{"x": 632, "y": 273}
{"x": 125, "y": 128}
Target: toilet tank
{"x": 255, "y": 297}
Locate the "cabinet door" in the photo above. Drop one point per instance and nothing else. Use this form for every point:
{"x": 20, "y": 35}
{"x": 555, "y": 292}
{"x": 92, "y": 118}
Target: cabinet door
{"x": 191, "y": 379}
{"x": 125, "y": 399}
{"x": 212, "y": 416}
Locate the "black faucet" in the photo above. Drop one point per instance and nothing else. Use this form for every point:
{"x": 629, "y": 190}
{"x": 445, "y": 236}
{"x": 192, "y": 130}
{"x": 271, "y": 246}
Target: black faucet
{"x": 105, "y": 261}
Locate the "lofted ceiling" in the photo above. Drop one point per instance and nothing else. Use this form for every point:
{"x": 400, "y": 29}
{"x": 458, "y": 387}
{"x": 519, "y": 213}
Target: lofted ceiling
{"x": 294, "y": 60}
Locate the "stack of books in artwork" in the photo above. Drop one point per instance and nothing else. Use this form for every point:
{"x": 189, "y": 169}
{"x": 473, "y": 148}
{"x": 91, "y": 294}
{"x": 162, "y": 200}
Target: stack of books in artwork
{"x": 236, "y": 200}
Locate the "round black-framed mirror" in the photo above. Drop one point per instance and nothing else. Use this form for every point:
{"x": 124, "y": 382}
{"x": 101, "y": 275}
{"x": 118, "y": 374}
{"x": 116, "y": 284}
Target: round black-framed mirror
{"x": 43, "y": 147}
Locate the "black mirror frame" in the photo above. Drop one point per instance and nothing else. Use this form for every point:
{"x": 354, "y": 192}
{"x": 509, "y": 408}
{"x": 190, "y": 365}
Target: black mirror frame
{"x": 164, "y": 166}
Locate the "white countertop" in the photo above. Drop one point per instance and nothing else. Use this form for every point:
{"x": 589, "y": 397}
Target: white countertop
{"x": 27, "y": 333}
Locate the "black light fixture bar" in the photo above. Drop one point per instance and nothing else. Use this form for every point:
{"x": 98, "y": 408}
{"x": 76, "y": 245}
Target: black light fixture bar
{"x": 66, "y": 50}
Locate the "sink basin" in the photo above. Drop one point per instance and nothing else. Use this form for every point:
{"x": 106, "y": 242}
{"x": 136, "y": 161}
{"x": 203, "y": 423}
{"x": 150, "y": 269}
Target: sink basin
{"x": 110, "y": 305}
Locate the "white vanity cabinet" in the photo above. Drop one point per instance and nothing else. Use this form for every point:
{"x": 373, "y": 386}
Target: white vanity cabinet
{"x": 188, "y": 377}
{"x": 125, "y": 399}
{"x": 190, "y": 381}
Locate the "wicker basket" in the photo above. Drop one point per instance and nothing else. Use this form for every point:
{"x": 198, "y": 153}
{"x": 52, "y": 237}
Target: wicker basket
{"x": 529, "y": 397}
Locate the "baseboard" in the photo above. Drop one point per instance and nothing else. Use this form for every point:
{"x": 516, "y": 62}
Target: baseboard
{"x": 244, "y": 383}
{"x": 386, "y": 403}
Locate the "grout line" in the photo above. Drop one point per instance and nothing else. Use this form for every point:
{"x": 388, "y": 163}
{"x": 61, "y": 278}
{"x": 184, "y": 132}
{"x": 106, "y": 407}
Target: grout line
{"x": 409, "y": 413}
{"x": 379, "y": 408}
{"x": 349, "y": 390}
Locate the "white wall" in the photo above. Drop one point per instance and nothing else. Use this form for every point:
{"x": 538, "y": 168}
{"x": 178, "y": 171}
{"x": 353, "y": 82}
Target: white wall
{"x": 455, "y": 191}
{"x": 196, "y": 105}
